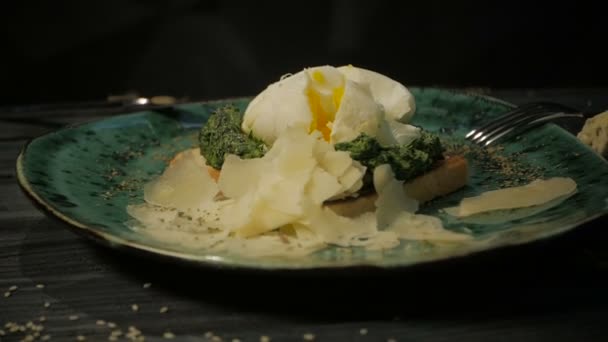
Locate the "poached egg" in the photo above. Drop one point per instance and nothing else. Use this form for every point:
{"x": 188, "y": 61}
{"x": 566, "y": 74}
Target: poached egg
{"x": 340, "y": 103}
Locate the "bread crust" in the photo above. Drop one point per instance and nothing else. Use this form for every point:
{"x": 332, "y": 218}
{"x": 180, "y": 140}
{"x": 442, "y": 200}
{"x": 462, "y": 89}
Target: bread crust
{"x": 450, "y": 175}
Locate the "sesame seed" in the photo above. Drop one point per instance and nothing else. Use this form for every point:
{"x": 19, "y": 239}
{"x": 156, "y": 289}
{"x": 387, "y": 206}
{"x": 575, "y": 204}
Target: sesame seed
{"x": 308, "y": 337}
{"x": 45, "y": 337}
{"x": 111, "y": 325}
{"x": 168, "y": 335}
{"x": 2, "y": 333}
{"x": 391, "y": 340}
{"x": 264, "y": 338}
{"x": 236, "y": 340}
{"x": 147, "y": 285}
{"x": 42, "y": 318}
{"x": 100, "y": 322}
{"x": 40, "y": 286}
{"x": 47, "y": 304}
{"x": 216, "y": 339}
{"x": 7, "y": 294}
{"x": 209, "y": 334}
{"x": 73, "y": 317}
{"x": 135, "y": 307}
{"x": 112, "y": 338}
{"x": 28, "y": 338}
{"x": 363, "y": 331}
{"x": 163, "y": 309}
{"x": 80, "y": 338}
{"x": 13, "y": 288}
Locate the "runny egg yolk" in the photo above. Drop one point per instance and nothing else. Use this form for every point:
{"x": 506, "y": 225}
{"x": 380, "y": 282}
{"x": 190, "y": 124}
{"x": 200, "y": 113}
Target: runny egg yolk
{"x": 324, "y": 102}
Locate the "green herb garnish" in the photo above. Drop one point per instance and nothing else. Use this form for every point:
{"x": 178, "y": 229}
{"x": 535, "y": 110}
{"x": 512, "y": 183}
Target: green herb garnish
{"x": 408, "y": 161}
{"x": 222, "y": 135}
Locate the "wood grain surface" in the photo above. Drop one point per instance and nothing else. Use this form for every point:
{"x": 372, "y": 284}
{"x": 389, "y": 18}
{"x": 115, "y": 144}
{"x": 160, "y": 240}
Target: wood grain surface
{"x": 70, "y": 289}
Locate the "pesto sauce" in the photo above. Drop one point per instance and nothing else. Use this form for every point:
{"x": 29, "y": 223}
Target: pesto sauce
{"x": 222, "y": 135}
{"x": 407, "y": 161}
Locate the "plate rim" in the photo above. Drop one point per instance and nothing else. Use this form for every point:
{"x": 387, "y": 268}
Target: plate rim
{"x": 219, "y": 262}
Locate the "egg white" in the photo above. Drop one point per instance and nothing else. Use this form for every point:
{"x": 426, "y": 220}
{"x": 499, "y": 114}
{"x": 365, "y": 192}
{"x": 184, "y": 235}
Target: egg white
{"x": 341, "y": 103}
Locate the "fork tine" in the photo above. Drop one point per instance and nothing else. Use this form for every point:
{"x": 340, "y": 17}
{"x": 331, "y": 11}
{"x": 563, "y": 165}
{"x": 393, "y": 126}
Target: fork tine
{"x": 516, "y": 113}
{"x": 518, "y": 129}
{"x": 513, "y": 120}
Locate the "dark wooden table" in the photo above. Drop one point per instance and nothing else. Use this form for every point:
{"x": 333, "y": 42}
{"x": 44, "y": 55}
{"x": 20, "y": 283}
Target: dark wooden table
{"x": 56, "y": 283}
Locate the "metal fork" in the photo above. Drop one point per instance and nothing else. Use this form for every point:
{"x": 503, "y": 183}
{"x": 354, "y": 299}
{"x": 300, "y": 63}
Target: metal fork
{"x": 519, "y": 120}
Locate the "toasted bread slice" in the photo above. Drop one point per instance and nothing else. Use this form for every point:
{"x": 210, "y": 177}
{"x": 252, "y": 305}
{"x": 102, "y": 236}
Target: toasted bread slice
{"x": 449, "y": 176}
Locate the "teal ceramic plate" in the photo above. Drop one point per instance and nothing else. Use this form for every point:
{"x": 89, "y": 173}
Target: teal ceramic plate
{"x": 86, "y": 175}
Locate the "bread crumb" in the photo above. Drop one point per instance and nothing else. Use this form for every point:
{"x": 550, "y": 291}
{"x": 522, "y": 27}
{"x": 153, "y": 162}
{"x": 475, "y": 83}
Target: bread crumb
{"x": 308, "y": 337}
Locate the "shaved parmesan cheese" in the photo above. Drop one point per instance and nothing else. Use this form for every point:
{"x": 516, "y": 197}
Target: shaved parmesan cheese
{"x": 336, "y": 163}
{"x": 286, "y": 184}
{"x": 275, "y": 205}
{"x": 392, "y": 200}
{"x": 535, "y": 193}
{"x": 234, "y": 183}
{"x": 322, "y": 186}
{"x": 184, "y": 184}
{"x": 340, "y": 230}
{"x": 424, "y": 228}
{"x": 395, "y": 212}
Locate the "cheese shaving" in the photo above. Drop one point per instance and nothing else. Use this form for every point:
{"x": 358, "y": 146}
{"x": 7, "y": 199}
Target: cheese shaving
{"x": 535, "y": 193}
{"x": 273, "y": 206}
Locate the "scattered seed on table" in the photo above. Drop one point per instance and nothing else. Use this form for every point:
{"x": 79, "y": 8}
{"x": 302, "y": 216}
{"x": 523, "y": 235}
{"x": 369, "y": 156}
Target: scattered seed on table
{"x": 40, "y": 286}
{"x": 100, "y": 322}
{"x": 42, "y": 318}
{"x": 45, "y": 337}
{"x": 163, "y": 309}
{"x": 73, "y": 317}
{"x": 12, "y": 288}
{"x": 209, "y": 334}
{"x": 111, "y": 325}
{"x": 80, "y": 338}
{"x": 391, "y": 340}
{"x": 135, "y": 307}
{"x": 363, "y": 331}
{"x": 147, "y": 285}
{"x": 47, "y": 304}
{"x": 236, "y": 340}
{"x": 7, "y": 294}
{"x": 308, "y": 337}
{"x": 264, "y": 338}
{"x": 168, "y": 335}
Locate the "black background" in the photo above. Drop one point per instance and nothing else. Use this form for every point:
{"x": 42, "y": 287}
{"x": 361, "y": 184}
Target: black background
{"x": 75, "y": 50}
